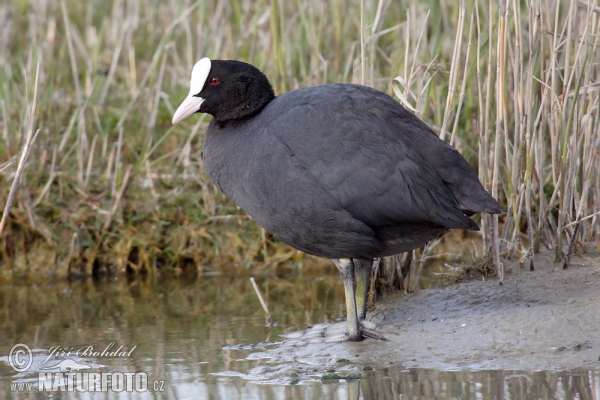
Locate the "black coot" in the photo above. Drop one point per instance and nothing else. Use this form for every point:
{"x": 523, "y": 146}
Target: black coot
{"x": 339, "y": 171}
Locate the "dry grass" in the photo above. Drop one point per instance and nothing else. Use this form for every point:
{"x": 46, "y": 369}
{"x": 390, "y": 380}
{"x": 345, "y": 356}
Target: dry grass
{"x": 110, "y": 185}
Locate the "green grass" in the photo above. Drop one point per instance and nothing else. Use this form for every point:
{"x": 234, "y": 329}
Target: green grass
{"x": 523, "y": 110}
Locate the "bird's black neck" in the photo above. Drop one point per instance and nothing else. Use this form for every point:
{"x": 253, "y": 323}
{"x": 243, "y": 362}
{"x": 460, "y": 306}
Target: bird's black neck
{"x": 258, "y": 94}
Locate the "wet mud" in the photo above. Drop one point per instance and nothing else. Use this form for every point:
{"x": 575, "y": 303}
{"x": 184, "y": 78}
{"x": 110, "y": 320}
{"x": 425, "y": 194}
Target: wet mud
{"x": 548, "y": 319}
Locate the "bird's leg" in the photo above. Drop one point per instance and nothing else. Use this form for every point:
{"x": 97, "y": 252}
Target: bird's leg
{"x": 363, "y": 282}
{"x": 346, "y": 267}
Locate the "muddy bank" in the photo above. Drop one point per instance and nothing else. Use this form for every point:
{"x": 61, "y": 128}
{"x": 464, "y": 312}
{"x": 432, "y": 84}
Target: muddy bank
{"x": 548, "y": 319}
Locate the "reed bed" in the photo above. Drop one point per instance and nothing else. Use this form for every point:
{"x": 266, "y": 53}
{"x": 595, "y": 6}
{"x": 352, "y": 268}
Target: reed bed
{"x": 109, "y": 186}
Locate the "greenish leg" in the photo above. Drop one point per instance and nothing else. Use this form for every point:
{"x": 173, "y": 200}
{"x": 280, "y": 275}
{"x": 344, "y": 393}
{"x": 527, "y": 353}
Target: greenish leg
{"x": 363, "y": 282}
{"x": 347, "y": 269}
{"x": 363, "y": 270}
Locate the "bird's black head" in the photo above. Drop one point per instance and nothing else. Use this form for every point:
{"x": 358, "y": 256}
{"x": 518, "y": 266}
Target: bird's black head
{"x": 226, "y": 89}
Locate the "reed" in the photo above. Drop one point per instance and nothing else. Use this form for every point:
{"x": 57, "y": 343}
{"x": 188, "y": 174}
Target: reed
{"x": 513, "y": 85}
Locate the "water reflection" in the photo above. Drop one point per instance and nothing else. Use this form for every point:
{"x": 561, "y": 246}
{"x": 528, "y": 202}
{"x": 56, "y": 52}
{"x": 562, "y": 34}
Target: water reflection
{"x": 496, "y": 384}
{"x": 198, "y": 336}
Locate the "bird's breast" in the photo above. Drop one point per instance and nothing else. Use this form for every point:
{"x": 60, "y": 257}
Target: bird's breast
{"x": 241, "y": 165}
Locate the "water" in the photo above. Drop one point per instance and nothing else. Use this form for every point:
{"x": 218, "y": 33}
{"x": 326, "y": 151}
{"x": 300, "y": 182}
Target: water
{"x": 203, "y": 339}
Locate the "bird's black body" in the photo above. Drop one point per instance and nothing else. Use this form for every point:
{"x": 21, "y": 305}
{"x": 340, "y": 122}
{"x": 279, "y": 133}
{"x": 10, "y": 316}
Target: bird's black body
{"x": 344, "y": 171}
{"x": 338, "y": 171}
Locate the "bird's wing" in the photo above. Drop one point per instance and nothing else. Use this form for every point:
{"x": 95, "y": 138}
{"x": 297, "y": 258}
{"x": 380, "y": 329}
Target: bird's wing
{"x": 364, "y": 162}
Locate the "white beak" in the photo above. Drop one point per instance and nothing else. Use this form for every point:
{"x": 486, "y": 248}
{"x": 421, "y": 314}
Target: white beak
{"x": 192, "y": 103}
{"x": 189, "y": 106}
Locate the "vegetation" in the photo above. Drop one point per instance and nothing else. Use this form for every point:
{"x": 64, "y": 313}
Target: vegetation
{"x": 109, "y": 185}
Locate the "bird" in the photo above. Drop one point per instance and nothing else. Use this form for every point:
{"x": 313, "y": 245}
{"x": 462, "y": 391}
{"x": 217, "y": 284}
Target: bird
{"x": 340, "y": 171}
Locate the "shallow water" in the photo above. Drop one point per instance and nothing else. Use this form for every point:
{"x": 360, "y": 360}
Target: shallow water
{"x": 206, "y": 339}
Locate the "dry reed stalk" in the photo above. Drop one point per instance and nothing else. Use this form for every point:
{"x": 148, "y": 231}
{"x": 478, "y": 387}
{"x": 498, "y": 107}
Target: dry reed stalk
{"x": 104, "y": 146}
{"x": 151, "y": 184}
{"x": 75, "y": 117}
{"x": 157, "y": 90}
{"x": 534, "y": 23}
{"x": 88, "y": 170}
{"x": 29, "y": 142}
{"x": 262, "y": 302}
{"x": 461, "y": 97}
{"x": 400, "y": 81}
{"x": 263, "y": 242}
{"x": 114, "y": 63}
{"x": 416, "y": 51}
{"x": 108, "y": 175}
{"x": 69, "y": 39}
{"x": 80, "y": 150}
{"x": 115, "y": 174}
{"x": 427, "y": 249}
{"x": 483, "y": 139}
{"x": 72, "y": 250}
{"x": 362, "y": 42}
{"x": 500, "y": 76}
{"x": 406, "y": 47}
{"x": 380, "y": 14}
{"x": 580, "y": 211}
{"x": 117, "y": 201}
{"x": 185, "y": 152}
{"x": 514, "y": 143}
{"x": 559, "y": 155}
{"x": 412, "y": 284}
{"x": 8, "y": 164}
{"x": 454, "y": 68}
{"x": 488, "y": 149}
{"x": 46, "y": 188}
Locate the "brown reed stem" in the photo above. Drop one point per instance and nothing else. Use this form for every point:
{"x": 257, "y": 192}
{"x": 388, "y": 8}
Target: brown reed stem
{"x": 262, "y": 302}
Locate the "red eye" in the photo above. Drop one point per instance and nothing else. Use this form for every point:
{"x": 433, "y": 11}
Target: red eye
{"x": 214, "y": 81}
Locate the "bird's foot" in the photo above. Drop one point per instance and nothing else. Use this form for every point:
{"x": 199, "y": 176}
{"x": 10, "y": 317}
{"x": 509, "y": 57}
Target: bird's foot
{"x": 315, "y": 334}
{"x": 331, "y": 333}
{"x": 369, "y": 329}
{"x": 365, "y": 329}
